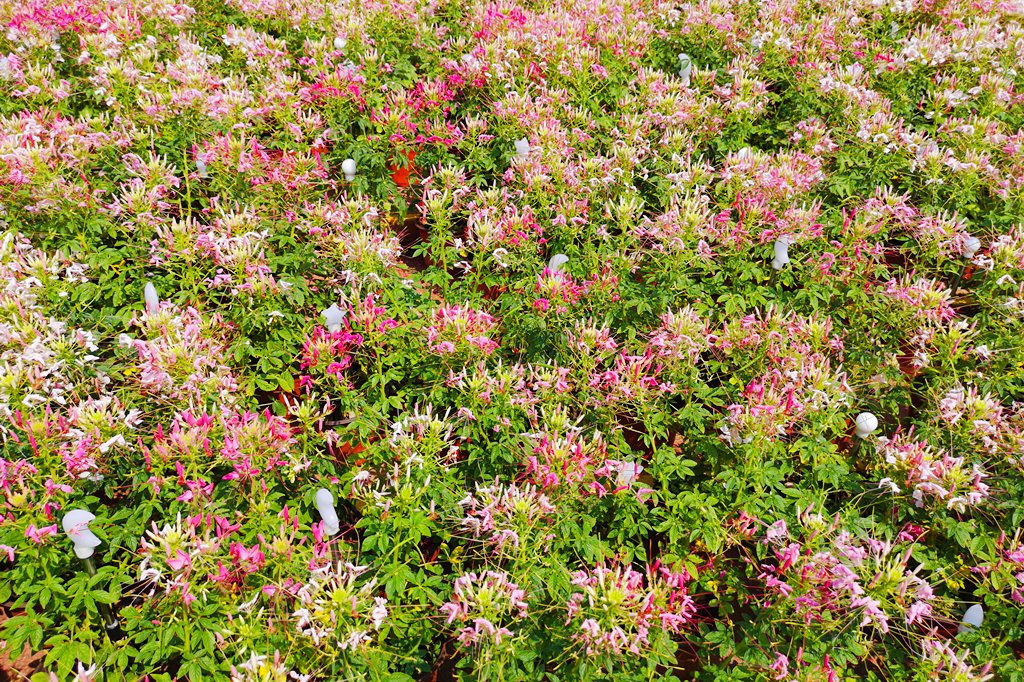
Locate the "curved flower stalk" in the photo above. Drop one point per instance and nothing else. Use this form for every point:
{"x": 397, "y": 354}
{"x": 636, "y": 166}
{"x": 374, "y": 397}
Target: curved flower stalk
{"x": 802, "y": 671}
{"x": 564, "y": 460}
{"x": 615, "y": 610}
{"x": 232, "y": 158}
{"x": 516, "y": 386}
{"x": 265, "y": 668}
{"x": 780, "y": 338}
{"x": 424, "y": 435}
{"x": 925, "y": 299}
{"x": 496, "y": 223}
{"x": 952, "y": 665}
{"x": 250, "y": 445}
{"x": 680, "y": 339}
{"x": 688, "y": 217}
{"x": 980, "y": 420}
{"x": 185, "y": 557}
{"x": 352, "y": 234}
{"x": 329, "y": 353}
{"x": 46, "y": 364}
{"x": 420, "y": 451}
{"x": 1004, "y": 571}
{"x": 945, "y": 234}
{"x": 369, "y": 319}
{"x": 558, "y": 292}
{"x": 777, "y": 177}
{"x": 632, "y": 380}
{"x": 593, "y": 342}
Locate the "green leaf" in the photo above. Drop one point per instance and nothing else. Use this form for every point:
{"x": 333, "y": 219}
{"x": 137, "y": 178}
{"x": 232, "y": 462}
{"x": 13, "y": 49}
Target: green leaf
{"x": 265, "y": 385}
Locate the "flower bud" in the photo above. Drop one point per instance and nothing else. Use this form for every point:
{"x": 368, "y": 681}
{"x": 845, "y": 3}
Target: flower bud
{"x": 325, "y": 505}
{"x": 76, "y": 525}
{"x": 971, "y": 246}
{"x": 348, "y": 167}
{"x": 781, "y": 259}
{"x": 866, "y": 423}
{"x": 152, "y": 300}
{"x": 973, "y": 618}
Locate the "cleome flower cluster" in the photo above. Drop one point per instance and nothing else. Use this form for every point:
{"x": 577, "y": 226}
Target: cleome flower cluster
{"x": 525, "y": 341}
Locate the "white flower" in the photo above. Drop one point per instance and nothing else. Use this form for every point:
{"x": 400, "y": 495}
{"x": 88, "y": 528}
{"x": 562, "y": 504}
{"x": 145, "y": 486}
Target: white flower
{"x": 888, "y": 483}
{"x": 245, "y": 607}
{"x": 380, "y": 612}
{"x": 628, "y": 472}
{"x": 354, "y": 640}
{"x": 116, "y": 440}
{"x": 500, "y": 252}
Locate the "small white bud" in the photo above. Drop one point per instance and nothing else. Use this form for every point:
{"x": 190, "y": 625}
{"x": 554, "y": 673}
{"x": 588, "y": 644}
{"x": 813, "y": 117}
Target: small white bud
{"x": 76, "y": 525}
{"x": 523, "y": 147}
{"x": 348, "y": 167}
{"x": 340, "y": 43}
{"x": 971, "y": 246}
{"x": 152, "y": 300}
{"x": 866, "y": 424}
{"x": 325, "y": 505}
{"x": 781, "y": 259}
{"x": 556, "y": 263}
{"x": 973, "y": 618}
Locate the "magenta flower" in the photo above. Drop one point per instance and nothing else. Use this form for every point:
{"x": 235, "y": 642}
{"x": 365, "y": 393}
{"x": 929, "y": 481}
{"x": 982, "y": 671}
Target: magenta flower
{"x": 38, "y": 535}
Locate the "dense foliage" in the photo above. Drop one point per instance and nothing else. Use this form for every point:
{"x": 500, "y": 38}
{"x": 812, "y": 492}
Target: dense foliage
{"x": 632, "y": 462}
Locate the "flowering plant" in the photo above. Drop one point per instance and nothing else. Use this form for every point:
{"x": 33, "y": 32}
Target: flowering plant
{"x": 692, "y": 347}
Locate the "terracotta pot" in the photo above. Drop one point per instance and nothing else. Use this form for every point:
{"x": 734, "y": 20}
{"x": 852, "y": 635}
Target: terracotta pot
{"x": 400, "y": 174}
{"x": 491, "y": 293}
{"x": 345, "y": 453}
{"x": 905, "y": 360}
{"x": 844, "y": 442}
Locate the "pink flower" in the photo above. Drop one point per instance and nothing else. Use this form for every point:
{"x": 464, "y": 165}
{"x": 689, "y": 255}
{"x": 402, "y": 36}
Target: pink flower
{"x": 37, "y": 534}
{"x": 788, "y": 556}
{"x": 780, "y": 666}
{"x": 379, "y": 613}
{"x": 644, "y": 495}
{"x": 53, "y": 488}
{"x": 777, "y": 532}
{"x": 917, "y": 611}
{"x": 180, "y": 561}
